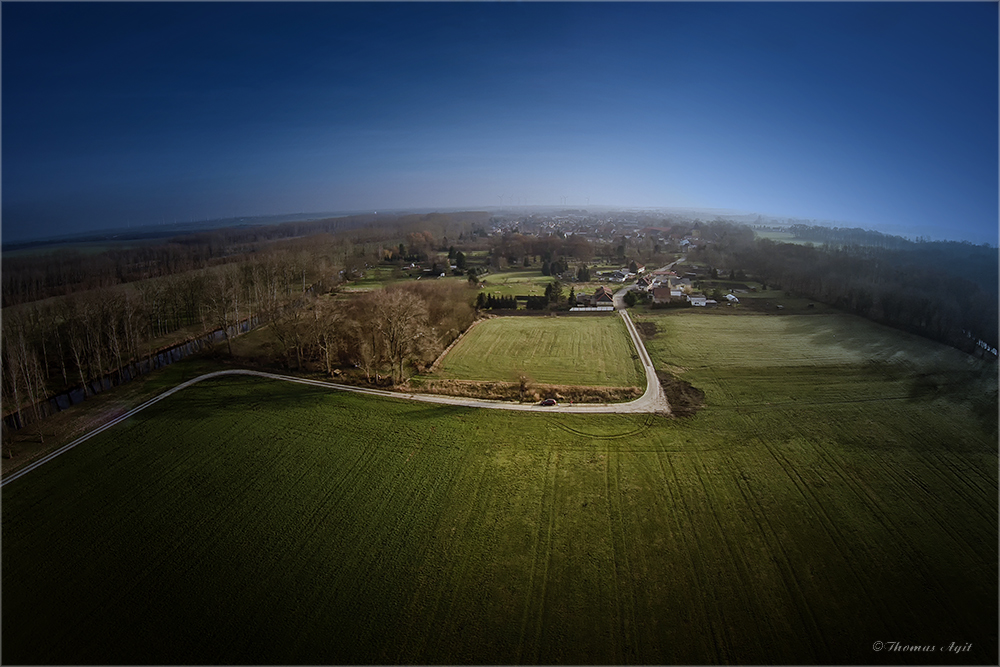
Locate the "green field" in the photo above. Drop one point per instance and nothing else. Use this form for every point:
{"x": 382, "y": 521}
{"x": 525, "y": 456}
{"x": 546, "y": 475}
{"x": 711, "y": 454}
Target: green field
{"x": 526, "y": 282}
{"x": 375, "y": 278}
{"x": 832, "y": 494}
{"x": 516, "y": 276}
{"x": 699, "y": 339}
{"x": 578, "y": 350}
{"x": 781, "y": 237}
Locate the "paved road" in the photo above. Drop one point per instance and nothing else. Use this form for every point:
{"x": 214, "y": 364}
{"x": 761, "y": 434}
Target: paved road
{"x": 652, "y": 400}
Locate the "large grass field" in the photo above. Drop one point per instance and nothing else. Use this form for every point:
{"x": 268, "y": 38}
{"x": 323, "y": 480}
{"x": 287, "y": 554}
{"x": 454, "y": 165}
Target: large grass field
{"x": 706, "y": 339}
{"x": 834, "y": 493}
{"x": 551, "y": 350}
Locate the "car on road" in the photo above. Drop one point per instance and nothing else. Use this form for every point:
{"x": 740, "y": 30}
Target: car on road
{"x": 549, "y": 401}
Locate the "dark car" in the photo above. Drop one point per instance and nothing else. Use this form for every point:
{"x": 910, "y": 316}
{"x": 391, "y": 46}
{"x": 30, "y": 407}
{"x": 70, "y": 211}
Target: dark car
{"x": 549, "y": 401}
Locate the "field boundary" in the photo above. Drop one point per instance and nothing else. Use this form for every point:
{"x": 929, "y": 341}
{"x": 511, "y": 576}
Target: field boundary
{"x": 437, "y": 362}
{"x": 535, "y": 391}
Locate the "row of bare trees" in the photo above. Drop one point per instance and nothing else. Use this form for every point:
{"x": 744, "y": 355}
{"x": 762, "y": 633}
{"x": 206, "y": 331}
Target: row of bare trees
{"x": 23, "y": 376}
{"x": 40, "y": 275}
{"x": 50, "y": 346}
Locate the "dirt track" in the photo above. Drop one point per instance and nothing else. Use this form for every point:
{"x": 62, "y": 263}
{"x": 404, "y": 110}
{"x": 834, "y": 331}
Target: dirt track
{"x": 653, "y": 400}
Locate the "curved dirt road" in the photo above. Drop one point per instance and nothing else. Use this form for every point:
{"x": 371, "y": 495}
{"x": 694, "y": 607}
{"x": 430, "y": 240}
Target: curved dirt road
{"x": 652, "y": 400}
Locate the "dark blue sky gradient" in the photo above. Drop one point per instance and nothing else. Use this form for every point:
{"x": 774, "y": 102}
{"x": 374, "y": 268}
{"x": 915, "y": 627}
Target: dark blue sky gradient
{"x": 881, "y": 115}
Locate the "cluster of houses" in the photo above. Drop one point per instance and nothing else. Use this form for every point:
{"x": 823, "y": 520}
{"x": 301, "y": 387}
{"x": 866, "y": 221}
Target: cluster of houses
{"x": 666, "y": 286}
{"x": 602, "y": 299}
{"x": 621, "y": 275}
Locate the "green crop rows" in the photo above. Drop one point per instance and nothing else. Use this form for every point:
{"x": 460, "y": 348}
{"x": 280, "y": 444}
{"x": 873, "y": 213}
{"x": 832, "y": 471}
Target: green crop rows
{"x": 253, "y": 521}
{"x": 552, "y": 350}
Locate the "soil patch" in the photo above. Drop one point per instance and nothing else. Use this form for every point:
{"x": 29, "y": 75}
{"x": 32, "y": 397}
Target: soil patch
{"x": 646, "y": 329}
{"x": 685, "y": 400}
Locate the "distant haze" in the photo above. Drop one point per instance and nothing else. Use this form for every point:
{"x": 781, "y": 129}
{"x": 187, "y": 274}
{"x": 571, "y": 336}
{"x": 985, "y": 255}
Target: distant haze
{"x": 875, "y": 115}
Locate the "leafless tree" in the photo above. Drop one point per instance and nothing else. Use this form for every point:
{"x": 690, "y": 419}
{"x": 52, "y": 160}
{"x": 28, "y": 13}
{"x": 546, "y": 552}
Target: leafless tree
{"x": 327, "y": 322}
{"x": 222, "y": 303}
{"x": 290, "y": 329}
{"x": 71, "y": 331}
{"x": 400, "y": 320}
{"x": 22, "y": 370}
{"x": 92, "y": 324}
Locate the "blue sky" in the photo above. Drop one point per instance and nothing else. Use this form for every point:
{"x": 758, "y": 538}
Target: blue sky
{"x": 880, "y": 115}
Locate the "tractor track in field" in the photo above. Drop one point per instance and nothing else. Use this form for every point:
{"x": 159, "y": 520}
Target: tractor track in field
{"x": 652, "y": 401}
{"x": 647, "y": 423}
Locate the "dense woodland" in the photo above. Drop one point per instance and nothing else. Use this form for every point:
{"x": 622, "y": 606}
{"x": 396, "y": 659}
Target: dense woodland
{"x": 40, "y": 275}
{"x": 78, "y": 321}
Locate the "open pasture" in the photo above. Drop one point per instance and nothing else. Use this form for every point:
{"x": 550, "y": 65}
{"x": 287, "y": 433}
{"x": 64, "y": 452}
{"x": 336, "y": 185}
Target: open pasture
{"x": 576, "y": 350}
{"x": 515, "y": 276}
{"x": 697, "y": 339}
{"x": 824, "y": 362}
{"x": 780, "y": 237}
{"x": 529, "y": 282}
{"x": 374, "y": 278}
{"x": 250, "y": 521}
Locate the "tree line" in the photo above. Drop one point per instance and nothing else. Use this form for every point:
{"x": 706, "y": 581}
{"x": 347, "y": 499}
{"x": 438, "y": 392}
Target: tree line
{"x": 945, "y": 291}
{"x": 962, "y": 259}
{"x": 41, "y": 275}
{"x": 53, "y": 345}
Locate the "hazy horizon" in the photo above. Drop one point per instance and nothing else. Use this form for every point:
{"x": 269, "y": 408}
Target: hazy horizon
{"x": 873, "y": 115}
{"x": 704, "y": 214}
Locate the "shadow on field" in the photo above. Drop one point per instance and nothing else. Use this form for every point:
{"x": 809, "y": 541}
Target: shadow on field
{"x": 976, "y": 390}
{"x": 241, "y": 394}
{"x": 941, "y": 373}
{"x": 860, "y": 340}
{"x": 421, "y": 411}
